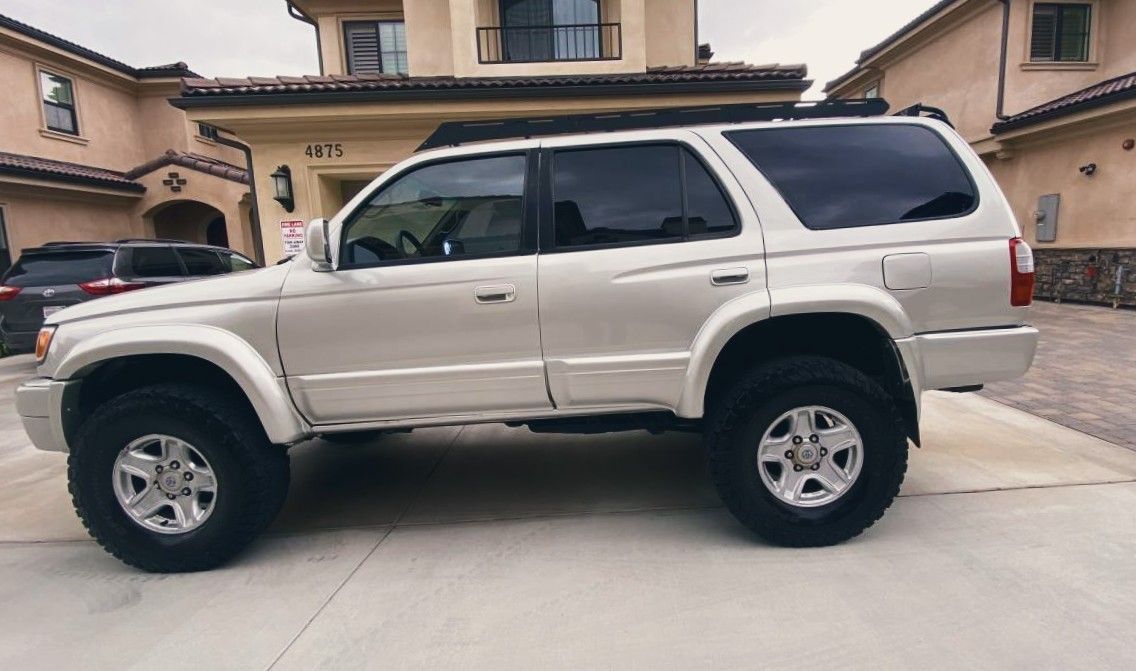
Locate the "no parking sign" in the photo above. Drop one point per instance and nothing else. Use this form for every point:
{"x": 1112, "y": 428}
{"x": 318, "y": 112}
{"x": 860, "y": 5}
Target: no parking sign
{"x": 292, "y": 232}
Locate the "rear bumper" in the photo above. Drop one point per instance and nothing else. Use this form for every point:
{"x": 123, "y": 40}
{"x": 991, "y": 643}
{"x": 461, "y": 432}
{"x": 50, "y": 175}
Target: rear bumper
{"x": 965, "y": 358}
{"x": 40, "y": 405}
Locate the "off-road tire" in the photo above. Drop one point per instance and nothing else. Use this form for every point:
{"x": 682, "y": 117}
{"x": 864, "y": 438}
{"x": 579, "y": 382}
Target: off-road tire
{"x": 252, "y": 475}
{"x": 739, "y": 420}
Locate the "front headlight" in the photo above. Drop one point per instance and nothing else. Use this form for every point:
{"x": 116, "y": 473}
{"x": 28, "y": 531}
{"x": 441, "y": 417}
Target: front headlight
{"x": 43, "y": 342}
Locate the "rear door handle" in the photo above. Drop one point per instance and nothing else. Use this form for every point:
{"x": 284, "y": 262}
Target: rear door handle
{"x": 497, "y": 293}
{"x": 729, "y": 276}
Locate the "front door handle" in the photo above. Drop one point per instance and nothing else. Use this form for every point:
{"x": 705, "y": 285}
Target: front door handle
{"x": 497, "y": 293}
{"x": 729, "y": 276}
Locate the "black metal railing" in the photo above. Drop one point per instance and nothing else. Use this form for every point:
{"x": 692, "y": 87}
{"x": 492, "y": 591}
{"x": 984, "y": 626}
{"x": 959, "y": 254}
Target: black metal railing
{"x": 546, "y": 44}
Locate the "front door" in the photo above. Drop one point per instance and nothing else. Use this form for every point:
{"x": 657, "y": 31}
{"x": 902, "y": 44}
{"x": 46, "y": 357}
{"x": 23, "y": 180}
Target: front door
{"x": 432, "y": 308}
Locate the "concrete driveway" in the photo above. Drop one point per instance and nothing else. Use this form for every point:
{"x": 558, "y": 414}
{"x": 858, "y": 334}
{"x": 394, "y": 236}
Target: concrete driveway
{"x": 486, "y": 547}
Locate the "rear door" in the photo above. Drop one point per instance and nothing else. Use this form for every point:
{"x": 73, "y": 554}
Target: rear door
{"x": 640, "y": 243}
{"x": 49, "y": 281}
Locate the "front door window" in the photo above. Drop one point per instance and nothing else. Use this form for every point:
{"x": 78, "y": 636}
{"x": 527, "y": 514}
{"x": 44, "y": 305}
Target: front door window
{"x": 452, "y": 210}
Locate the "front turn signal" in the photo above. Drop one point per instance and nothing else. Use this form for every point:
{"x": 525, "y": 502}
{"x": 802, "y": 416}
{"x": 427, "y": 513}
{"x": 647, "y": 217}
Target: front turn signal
{"x": 43, "y": 342}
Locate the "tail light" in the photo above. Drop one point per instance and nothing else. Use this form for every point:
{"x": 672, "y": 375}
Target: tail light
{"x": 110, "y": 285}
{"x": 1021, "y": 273}
{"x": 8, "y": 293}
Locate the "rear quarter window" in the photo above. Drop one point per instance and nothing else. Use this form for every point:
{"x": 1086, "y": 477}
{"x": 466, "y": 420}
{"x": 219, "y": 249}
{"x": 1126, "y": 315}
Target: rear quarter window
{"x": 868, "y": 175}
{"x": 37, "y": 270}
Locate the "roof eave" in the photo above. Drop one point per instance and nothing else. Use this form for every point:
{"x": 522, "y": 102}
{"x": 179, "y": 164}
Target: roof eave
{"x": 1003, "y": 127}
{"x": 71, "y": 179}
{"x": 189, "y": 101}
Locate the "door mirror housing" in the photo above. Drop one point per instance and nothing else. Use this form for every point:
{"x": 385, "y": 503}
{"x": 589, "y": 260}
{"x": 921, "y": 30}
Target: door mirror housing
{"x": 317, "y": 245}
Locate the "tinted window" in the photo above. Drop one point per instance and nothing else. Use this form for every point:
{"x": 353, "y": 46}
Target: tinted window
{"x": 235, "y": 263}
{"x": 462, "y": 208}
{"x": 154, "y": 262}
{"x": 33, "y": 270}
{"x": 706, "y": 205}
{"x": 846, "y": 176}
{"x": 617, "y": 195}
{"x": 201, "y": 261}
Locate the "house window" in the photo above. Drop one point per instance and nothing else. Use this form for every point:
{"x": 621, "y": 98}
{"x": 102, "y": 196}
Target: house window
{"x": 872, "y": 92}
{"x": 551, "y": 30}
{"x": 1060, "y": 32}
{"x": 206, "y": 131}
{"x": 58, "y": 103}
{"x": 375, "y": 47}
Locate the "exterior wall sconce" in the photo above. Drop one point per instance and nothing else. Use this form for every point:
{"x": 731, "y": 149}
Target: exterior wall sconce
{"x": 282, "y": 185}
{"x": 1089, "y": 170}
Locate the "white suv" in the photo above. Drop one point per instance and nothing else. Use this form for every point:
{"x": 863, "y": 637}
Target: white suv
{"x": 787, "y": 288}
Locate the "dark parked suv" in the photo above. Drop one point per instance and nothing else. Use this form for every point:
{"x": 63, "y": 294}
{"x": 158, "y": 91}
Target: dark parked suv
{"x": 49, "y": 278}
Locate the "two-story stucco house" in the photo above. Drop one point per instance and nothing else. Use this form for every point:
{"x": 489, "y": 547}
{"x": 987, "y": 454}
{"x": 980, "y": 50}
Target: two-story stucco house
{"x": 393, "y": 70}
{"x": 90, "y": 149}
{"x": 1046, "y": 92}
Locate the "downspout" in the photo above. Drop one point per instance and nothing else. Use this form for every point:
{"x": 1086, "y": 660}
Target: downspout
{"x": 300, "y": 15}
{"x": 1001, "y": 111}
{"x": 696, "y": 32}
{"x": 254, "y": 210}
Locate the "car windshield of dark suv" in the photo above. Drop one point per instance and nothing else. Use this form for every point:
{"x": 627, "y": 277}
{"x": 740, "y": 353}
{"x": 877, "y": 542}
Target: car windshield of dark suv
{"x": 38, "y": 270}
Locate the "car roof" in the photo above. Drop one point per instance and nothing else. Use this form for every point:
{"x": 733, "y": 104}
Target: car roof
{"x": 83, "y": 246}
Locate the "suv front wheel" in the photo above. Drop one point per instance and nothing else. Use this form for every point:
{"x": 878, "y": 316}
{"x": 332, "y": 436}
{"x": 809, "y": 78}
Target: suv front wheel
{"x": 807, "y": 451}
{"x": 173, "y": 478}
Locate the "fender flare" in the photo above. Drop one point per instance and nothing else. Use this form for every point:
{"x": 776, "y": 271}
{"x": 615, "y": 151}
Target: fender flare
{"x": 232, "y": 354}
{"x": 729, "y": 319}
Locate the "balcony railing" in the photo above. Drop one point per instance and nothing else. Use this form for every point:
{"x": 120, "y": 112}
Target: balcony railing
{"x": 547, "y": 44}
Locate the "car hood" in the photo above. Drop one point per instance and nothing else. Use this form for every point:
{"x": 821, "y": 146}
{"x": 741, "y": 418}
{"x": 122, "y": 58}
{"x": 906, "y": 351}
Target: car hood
{"x": 249, "y": 285}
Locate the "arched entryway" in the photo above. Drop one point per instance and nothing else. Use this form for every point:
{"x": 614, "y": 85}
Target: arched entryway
{"x": 191, "y": 221}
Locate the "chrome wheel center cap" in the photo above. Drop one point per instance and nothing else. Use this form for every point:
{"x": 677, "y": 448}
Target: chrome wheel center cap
{"x": 170, "y": 482}
{"x": 807, "y": 454}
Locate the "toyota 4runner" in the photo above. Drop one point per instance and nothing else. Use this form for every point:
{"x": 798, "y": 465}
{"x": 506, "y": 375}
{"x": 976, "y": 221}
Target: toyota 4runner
{"x": 787, "y": 288}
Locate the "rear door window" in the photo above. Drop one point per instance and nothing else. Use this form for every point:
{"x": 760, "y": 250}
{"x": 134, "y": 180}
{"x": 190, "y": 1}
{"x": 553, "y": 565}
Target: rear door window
{"x": 200, "y": 262}
{"x": 868, "y": 175}
{"x": 37, "y": 270}
{"x": 154, "y": 262}
{"x": 635, "y": 194}
{"x": 235, "y": 263}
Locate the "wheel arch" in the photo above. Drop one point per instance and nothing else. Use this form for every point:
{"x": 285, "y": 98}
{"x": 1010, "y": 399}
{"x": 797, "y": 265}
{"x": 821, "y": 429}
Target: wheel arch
{"x": 195, "y": 353}
{"x": 747, "y": 332}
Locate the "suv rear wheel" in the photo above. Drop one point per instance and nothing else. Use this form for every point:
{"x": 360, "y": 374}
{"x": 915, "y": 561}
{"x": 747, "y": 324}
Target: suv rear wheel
{"x": 807, "y": 451}
{"x": 173, "y": 478}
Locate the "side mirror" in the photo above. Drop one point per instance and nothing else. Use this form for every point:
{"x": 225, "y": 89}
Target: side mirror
{"x": 316, "y": 244}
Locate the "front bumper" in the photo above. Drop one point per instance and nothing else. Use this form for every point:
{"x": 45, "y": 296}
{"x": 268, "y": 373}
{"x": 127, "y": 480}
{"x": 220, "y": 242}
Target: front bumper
{"x": 965, "y": 358}
{"x": 41, "y": 405}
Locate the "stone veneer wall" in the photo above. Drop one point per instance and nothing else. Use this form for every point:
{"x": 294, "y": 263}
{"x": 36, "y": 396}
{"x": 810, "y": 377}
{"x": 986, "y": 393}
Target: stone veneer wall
{"x": 1086, "y": 275}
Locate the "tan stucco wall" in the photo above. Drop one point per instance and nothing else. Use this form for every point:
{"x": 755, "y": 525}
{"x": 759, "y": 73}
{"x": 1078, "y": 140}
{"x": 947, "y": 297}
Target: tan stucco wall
{"x": 669, "y": 30}
{"x": 375, "y": 136}
{"x": 34, "y": 216}
{"x": 441, "y": 36}
{"x": 1095, "y": 211}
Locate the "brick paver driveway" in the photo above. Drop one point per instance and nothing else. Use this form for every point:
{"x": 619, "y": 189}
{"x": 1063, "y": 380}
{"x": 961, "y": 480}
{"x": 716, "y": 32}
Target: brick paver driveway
{"x": 1084, "y": 375}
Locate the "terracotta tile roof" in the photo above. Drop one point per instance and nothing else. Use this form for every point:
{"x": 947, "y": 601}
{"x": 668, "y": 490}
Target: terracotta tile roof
{"x": 1104, "y": 93}
{"x": 710, "y": 72}
{"x": 198, "y": 162}
{"x": 171, "y": 70}
{"x": 43, "y": 168}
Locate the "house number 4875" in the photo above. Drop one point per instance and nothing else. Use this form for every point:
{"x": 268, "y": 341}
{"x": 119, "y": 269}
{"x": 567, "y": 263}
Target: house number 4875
{"x": 327, "y": 150}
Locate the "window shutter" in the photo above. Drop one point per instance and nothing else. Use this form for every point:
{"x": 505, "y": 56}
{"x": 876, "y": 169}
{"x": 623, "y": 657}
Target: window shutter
{"x": 1043, "y": 43}
{"x": 362, "y": 48}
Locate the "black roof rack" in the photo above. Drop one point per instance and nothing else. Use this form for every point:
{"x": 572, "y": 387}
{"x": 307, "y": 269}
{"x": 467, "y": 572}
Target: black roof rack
{"x": 454, "y": 133}
{"x": 919, "y": 109}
